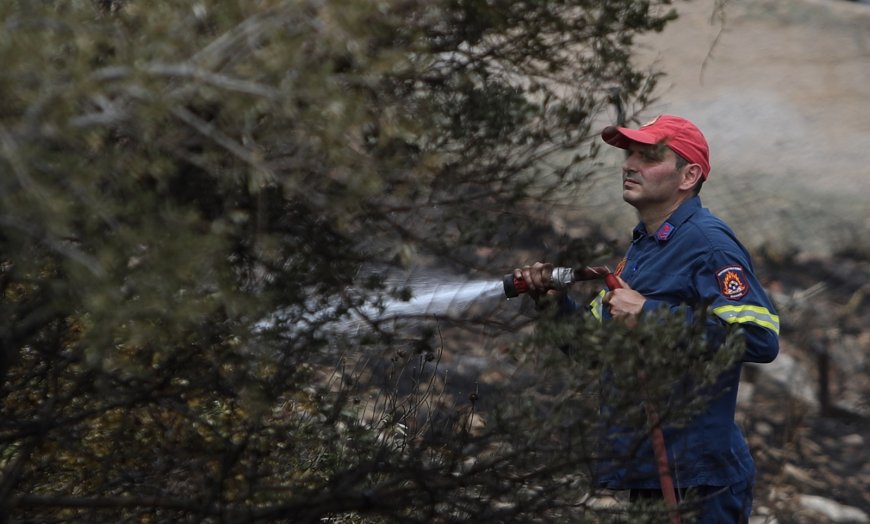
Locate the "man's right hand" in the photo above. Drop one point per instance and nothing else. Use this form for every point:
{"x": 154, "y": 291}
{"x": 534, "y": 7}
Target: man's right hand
{"x": 537, "y": 278}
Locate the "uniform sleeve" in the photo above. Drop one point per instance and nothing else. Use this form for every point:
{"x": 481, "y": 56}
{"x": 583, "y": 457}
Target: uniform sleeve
{"x": 734, "y": 296}
{"x": 724, "y": 283}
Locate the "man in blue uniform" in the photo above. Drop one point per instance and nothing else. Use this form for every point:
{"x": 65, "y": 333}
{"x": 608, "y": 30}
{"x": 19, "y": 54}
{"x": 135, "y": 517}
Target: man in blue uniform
{"x": 681, "y": 255}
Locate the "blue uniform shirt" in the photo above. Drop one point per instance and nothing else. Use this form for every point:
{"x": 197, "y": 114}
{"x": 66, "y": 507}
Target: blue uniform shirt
{"x": 694, "y": 259}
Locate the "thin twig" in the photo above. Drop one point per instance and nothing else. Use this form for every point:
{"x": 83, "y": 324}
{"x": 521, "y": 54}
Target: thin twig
{"x": 211, "y": 131}
{"x": 185, "y": 70}
{"x": 718, "y": 13}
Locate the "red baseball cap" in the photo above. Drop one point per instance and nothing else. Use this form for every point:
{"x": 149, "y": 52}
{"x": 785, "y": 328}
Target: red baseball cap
{"x": 677, "y": 133}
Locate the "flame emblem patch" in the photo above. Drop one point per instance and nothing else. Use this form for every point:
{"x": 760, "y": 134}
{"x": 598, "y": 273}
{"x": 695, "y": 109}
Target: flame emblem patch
{"x": 732, "y": 282}
{"x": 620, "y": 267}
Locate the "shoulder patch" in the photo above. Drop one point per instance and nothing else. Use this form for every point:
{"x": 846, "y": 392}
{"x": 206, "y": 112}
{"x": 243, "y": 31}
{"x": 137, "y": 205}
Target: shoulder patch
{"x": 732, "y": 282}
{"x": 664, "y": 231}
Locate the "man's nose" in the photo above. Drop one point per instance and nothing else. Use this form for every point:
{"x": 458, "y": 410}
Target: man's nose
{"x": 629, "y": 164}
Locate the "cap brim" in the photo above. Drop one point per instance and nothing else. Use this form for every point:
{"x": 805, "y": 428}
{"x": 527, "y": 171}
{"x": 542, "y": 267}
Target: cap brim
{"x": 621, "y": 137}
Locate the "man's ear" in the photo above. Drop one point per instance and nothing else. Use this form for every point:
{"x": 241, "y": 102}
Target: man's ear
{"x": 691, "y": 175}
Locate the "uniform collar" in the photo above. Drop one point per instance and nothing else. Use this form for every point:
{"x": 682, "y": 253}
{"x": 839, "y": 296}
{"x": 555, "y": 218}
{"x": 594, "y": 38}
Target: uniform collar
{"x": 677, "y": 218}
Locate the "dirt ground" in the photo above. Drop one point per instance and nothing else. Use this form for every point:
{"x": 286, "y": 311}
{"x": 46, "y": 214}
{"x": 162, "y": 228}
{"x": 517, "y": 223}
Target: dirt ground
{"x": 804, "y": 445}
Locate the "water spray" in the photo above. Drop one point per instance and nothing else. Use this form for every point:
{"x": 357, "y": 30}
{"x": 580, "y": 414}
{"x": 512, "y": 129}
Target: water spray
{"x": 561, "y": 278}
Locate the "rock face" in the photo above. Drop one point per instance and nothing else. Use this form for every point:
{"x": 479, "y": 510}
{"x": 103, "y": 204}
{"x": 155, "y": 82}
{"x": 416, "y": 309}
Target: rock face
{"x": 781, "y": 89}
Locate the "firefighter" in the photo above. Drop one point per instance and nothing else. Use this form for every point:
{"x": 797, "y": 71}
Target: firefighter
{"x": 682, "y": 255}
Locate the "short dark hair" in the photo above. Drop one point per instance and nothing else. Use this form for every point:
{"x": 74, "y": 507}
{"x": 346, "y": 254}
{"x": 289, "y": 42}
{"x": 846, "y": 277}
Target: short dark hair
{"x": 681, "y": 162}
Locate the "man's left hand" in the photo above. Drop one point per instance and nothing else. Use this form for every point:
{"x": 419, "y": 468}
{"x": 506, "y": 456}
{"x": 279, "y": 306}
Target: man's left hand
{"x": 624, "y": 303}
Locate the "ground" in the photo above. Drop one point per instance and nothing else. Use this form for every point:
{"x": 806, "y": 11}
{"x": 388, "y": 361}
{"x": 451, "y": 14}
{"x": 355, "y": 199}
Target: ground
{"x": 805, "y": 446}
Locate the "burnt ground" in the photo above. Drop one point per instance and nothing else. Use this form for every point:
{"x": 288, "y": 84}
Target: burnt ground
{"x": 807, "y": 445}
{"x": 803, "y": 453}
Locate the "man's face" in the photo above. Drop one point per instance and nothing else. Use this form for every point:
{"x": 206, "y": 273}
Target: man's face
{"x": 649, "y": 176}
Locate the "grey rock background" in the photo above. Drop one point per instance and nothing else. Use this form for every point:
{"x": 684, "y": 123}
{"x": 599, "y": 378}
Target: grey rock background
{"x": 781, "y": 89}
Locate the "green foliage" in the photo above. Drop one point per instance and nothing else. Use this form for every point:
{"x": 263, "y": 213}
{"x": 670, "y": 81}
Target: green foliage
{"x": 176, "y": 173}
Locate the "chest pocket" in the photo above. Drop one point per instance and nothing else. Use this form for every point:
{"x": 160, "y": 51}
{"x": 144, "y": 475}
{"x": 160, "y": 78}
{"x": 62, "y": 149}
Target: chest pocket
{"x": 671, "y": 287}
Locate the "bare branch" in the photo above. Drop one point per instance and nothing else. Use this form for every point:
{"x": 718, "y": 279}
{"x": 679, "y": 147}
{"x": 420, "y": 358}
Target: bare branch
{"x": 211, "y": 131}
{"x": 188, "y": 71}
{"x": 54, "y": 244}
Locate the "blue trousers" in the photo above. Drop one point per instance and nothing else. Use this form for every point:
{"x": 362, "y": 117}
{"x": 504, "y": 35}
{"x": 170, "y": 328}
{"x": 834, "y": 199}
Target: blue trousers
{"x": 707, "y": 504}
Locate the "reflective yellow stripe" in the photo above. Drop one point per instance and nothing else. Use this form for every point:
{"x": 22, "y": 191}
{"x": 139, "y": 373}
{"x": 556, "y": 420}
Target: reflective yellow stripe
{"x": 748, "y": 315}
{"x": 597, "y": 305}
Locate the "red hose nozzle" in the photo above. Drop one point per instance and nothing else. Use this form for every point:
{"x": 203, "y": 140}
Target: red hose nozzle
{"x": 560, "y": 278}
{"x": 514, "y": 286}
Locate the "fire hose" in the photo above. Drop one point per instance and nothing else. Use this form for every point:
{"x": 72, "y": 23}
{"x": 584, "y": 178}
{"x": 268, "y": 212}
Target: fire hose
{"x": 562, "y": 277}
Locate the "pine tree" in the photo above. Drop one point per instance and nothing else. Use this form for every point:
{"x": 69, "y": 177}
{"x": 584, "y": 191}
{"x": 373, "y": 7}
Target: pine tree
{"x": 192, "y": 194}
